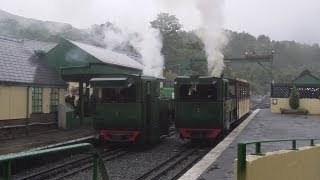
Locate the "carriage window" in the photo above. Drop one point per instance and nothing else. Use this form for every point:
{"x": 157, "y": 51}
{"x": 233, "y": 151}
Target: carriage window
{"x": 119, "y": 94}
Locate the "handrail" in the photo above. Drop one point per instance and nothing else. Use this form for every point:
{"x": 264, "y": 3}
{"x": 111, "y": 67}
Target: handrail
{"x": 242, "y": 148}
{"x": 5, "y": 160}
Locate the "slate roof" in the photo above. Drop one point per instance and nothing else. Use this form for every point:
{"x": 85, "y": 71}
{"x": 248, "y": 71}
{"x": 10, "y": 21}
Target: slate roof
{"x": 19, "y": 65}
{"x": 109, "y": 56}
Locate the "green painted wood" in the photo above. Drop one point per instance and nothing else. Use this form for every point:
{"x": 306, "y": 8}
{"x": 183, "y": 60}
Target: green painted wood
{"x": 199, "y": 114}
{"x": 306, "y": 79}
{"x": 118, "y": 115}
{"x": 66, "y": 54}
{"x": 75, "y": 63}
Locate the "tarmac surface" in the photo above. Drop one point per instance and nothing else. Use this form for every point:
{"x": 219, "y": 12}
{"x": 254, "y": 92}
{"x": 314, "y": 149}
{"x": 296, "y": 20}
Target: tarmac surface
{"x": 48, "y": 138}
{"x": 265, "y": 125}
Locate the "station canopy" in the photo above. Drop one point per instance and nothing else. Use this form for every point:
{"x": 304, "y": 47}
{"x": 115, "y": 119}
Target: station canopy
{"x": 81, "y": 62}
{"x": 113, "y": 82}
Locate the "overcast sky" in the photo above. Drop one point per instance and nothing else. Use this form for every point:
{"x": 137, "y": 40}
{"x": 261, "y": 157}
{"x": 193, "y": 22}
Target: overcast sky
{"x": 279, "y": 19}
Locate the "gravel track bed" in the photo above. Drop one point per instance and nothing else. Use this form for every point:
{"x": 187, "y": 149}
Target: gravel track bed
{"x": 140, "y": 161}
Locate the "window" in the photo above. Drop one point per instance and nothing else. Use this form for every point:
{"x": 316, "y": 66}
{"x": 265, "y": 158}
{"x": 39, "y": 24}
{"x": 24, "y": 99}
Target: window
{"x": 199, "y": 92}
{"x": 54, "y": 99}
{"x": 119, "y": 94}
{"x": 148, "y": 88}
{"x": 36, "y": 100}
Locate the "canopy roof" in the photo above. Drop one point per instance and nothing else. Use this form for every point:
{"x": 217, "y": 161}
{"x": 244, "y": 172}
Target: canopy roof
{"x": 196, "y": 80}
{"x": 112, "y": 82}
{"x": 80, "y": 62}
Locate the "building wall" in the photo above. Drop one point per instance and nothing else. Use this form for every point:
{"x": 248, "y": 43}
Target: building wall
{"x": 313, "y": 105}
{"x": 13, "y": 101}
{"x": 284, "y": 165}
{"x": 5, "y": 102}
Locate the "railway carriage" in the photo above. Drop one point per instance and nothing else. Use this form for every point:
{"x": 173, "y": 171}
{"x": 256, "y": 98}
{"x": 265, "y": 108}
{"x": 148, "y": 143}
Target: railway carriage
{"x": 205, "y": 107}
{"x": 128, "y": 108}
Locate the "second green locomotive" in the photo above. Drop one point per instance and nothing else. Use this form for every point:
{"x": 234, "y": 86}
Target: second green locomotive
{"x": 206, "y": 106}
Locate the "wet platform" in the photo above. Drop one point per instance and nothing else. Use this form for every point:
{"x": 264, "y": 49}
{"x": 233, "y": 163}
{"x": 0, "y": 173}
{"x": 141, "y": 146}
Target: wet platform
{"x": 54, "y": 137}
{"x": 218, "y": 164}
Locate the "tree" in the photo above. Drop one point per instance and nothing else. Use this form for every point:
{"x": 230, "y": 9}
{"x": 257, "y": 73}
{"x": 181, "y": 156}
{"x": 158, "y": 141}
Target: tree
{"x": 169, "y": 26}
{"x": 294, "y": 98}
{"x": 166, "y": 23}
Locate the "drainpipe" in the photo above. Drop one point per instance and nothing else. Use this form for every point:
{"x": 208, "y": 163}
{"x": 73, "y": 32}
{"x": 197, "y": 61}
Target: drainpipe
{"x": 27, "y": 115}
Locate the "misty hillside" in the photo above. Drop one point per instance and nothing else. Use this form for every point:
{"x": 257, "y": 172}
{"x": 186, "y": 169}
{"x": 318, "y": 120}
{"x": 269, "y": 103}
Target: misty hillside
{"x": 290, "y": 60}
{"x": 21, "y": 27}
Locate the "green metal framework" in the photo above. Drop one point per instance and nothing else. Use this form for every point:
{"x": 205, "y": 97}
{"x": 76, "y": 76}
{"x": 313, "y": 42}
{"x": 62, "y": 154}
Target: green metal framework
{"x": 254, "y": 59}
{"x": 242, "y": 148}
{"x": 98, "y": 164}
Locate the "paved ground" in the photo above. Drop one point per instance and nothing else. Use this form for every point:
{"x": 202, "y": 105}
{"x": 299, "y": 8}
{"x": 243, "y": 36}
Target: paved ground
{"x": 46, "y": 138}
{"x": 264, "y": 125}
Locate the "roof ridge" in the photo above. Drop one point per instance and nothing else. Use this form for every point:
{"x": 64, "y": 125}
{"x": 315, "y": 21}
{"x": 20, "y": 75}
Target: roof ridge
{"x": 25, "y": 39}
{"x": 11, "y": 39}
{"x": 111, "y": 50}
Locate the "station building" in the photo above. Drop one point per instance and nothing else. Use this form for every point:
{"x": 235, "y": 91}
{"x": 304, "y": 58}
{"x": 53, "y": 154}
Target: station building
{"x": 308, "y": 87}
{"x": 34, "y": 76}
{"x": 30, "y": 90}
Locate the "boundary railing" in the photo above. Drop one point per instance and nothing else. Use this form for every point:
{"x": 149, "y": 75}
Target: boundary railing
{"x": 5, "y": 160}
{"x": 242, "y": 149}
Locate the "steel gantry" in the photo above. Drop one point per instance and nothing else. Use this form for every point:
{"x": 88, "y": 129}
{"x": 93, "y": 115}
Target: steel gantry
{"x": 253, "y": 58}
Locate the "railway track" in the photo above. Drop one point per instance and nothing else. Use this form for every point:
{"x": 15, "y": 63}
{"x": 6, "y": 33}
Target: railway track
{"x": 175, "y": 166}
{"x": 79, "y": 164}
{"x": 262, "y": 104}
{"x": 72, "y": 167}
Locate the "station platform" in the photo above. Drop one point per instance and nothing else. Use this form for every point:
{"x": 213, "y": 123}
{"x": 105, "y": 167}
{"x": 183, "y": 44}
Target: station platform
{"x": 218, "y": 164}
{"x": 50, "y": 138}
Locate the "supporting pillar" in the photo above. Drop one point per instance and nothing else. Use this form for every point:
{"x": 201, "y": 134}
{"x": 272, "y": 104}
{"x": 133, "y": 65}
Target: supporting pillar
{"x": 81, "y": 113}
{"x": 87, "y": 97}
{"x": 6, "y": 170}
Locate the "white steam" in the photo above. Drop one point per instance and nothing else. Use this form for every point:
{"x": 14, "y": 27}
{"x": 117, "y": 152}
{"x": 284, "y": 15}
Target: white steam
{"x": 210, "y": 18}
{"x": 149, "y": 43}
{"x": 146, "y": 40}
{"x": 211, "y": 33}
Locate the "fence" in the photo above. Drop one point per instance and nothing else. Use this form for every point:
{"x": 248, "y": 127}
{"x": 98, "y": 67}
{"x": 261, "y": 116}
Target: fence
{"x": 5, "y": 160}
{"x": 306, "y": 91}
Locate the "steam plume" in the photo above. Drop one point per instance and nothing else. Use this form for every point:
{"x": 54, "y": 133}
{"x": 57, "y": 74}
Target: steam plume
{"x": 211, "y": 33}
{"x": 209, "y": 25}
{"x": 146, "y": 40}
